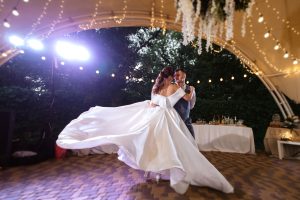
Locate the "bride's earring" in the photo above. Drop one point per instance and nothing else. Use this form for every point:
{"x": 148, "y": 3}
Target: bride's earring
{"x": 157, "y": 177}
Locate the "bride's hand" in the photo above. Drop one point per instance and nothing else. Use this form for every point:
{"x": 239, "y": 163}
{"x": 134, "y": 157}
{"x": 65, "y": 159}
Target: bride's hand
{"x": 151, "y": 104}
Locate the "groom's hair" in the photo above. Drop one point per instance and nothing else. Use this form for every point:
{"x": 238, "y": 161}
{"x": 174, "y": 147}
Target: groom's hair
{"x": 180, "y": 69}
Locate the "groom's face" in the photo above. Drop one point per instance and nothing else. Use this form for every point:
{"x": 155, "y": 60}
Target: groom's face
{"x": 179, "y": 76}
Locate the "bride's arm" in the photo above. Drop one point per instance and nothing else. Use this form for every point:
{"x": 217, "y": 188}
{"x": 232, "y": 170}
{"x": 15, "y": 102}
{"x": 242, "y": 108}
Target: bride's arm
{"x": 187, "y": 96}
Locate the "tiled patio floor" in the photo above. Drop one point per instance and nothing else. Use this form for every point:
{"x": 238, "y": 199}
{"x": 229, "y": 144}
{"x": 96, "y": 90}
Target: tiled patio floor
{"x": 105, "y": 177}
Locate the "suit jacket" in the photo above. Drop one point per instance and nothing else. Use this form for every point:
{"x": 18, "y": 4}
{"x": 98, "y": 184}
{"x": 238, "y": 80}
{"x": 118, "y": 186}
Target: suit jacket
{"x": 183, "y": 107}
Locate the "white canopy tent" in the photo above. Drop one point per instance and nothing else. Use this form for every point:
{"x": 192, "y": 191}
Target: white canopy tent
{"x": 54, "y": 18}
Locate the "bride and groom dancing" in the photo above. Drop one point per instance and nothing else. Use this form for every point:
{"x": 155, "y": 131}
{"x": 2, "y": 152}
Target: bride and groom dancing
{"x": 151, "y": 135}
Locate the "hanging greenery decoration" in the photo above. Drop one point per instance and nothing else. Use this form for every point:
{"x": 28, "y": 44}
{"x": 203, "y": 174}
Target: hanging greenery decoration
{"x": 212, "y": 17}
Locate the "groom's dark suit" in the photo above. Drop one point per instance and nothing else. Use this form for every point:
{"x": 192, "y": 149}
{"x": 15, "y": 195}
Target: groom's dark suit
{"x": 183, "y": 108}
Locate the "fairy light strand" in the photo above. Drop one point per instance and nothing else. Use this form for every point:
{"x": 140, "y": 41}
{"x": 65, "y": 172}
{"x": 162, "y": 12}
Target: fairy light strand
{"x": 271, "y": 35}
{"x": 287, "y": 23}
{"x": 162, "y": 20}
{"x": 39, "y": 19}
{"x": 120, "y": 20}
{"x": 55, "y": 22}
{"x": 1, "y": 5}
{"x": 152, "y": 20}
{"x": 95, "y": 14}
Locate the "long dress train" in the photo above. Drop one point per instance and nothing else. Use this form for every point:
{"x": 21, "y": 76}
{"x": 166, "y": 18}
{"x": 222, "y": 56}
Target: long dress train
{"x": 149, "y": 138}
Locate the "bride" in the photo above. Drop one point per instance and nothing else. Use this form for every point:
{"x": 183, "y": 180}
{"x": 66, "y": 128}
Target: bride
{"x": 150, "y": 136}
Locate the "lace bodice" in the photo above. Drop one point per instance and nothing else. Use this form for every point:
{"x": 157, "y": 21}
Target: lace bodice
{"x": 169, "y": 101}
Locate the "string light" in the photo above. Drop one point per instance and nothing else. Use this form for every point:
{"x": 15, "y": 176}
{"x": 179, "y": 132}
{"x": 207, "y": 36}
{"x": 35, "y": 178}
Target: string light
{"x": 43, "y": 58}
{"x": 15, "y": 12}
{"x": 163, "y": 22}
{"x": 267, "y": 34}
{"x": 95, "y": 14}
{"x": 277, "y": 46}
{"x": 198, "y": 81}
{"x": 232, "y": 77}
{"x": 113, "y": 75}
{"x": 261, "y": 18}
{"x": 1, "y": 5}
{"x": 209, "y": 80}
{"x": 152, "y": 81}
{"x": 62, "y": 63}
{"x": 93, "y": 23}
{"x": 279, "y": 18}
{"x": 295, "y": 62}
{"x": 259, "y": 49}
{"x": 59, "y": 17}
{"x": 127, "y": 77}
{"x": 81, "y": 68}
{"x": 4, "y": 54}
{"x": 245, "y": 75}
{"x": 6, "y": 24}
{"x": 97, "y": 72}
{"x": 221, "y": 79}
{"x": 26, "y": 1}
{"x": 119, "y": 20}
{"x": 22, "y": 51}
{"x": 187, "y": 82}
{"x": 152, "y": 20}
{"x": 39, "y": 19}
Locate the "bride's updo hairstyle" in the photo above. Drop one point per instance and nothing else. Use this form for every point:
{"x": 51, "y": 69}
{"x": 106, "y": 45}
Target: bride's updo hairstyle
{"x": 159, "y": 82}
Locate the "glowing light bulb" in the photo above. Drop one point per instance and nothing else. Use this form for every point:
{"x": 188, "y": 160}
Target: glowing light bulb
{"x": 261, "y": 18}
{"x": 113, "y": 75}
{"x": 232, "y": 78}
{"x": 295, "y": 62}
{"x": 198, "y": 81}
{"x": 276, "y": 47}
{"x": 267, "y": 34}
{"x": 286, "y": 55}
{"x": 245, "y": 75}
{"x": 6, "y": 24}
{"x": 221, "y": 79}
{"x": 15, "y": 12}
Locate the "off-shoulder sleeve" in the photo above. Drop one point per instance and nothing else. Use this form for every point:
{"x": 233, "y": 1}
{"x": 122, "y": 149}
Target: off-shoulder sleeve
{"x": 176, "y": 96}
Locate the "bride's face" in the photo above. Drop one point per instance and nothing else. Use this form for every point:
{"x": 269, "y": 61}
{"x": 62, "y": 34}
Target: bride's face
{"x": 169, "y": 79}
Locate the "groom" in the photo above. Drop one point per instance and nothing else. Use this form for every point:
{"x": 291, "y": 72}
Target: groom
{"x": 183, "y": 107}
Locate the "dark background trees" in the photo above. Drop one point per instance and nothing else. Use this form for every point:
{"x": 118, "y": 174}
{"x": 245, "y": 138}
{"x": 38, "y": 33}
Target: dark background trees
{"x": 38, "y": 94}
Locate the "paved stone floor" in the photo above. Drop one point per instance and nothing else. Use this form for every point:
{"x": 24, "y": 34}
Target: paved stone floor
{"x": 105, "y": 177}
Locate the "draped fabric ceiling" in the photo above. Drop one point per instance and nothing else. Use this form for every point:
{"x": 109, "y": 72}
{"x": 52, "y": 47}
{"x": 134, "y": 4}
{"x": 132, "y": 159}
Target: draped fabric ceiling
{"x": 52, "y": 18}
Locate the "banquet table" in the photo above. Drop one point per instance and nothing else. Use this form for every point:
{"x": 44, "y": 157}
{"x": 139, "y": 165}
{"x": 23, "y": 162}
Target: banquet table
{"x": 273, "y": 134}
{"x": 225, "y": 138}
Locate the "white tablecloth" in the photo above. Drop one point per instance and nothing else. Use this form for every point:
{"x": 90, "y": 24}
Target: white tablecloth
{"x": 224, "y": 138}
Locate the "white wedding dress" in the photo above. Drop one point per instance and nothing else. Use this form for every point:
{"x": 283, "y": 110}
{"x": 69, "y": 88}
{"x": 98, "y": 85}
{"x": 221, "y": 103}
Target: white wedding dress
{"x": 149, "y": 138}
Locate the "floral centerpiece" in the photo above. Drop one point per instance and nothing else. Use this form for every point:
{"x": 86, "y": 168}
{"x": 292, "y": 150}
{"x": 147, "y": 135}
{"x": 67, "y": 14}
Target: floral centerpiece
{"x": 210, "y": 16}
